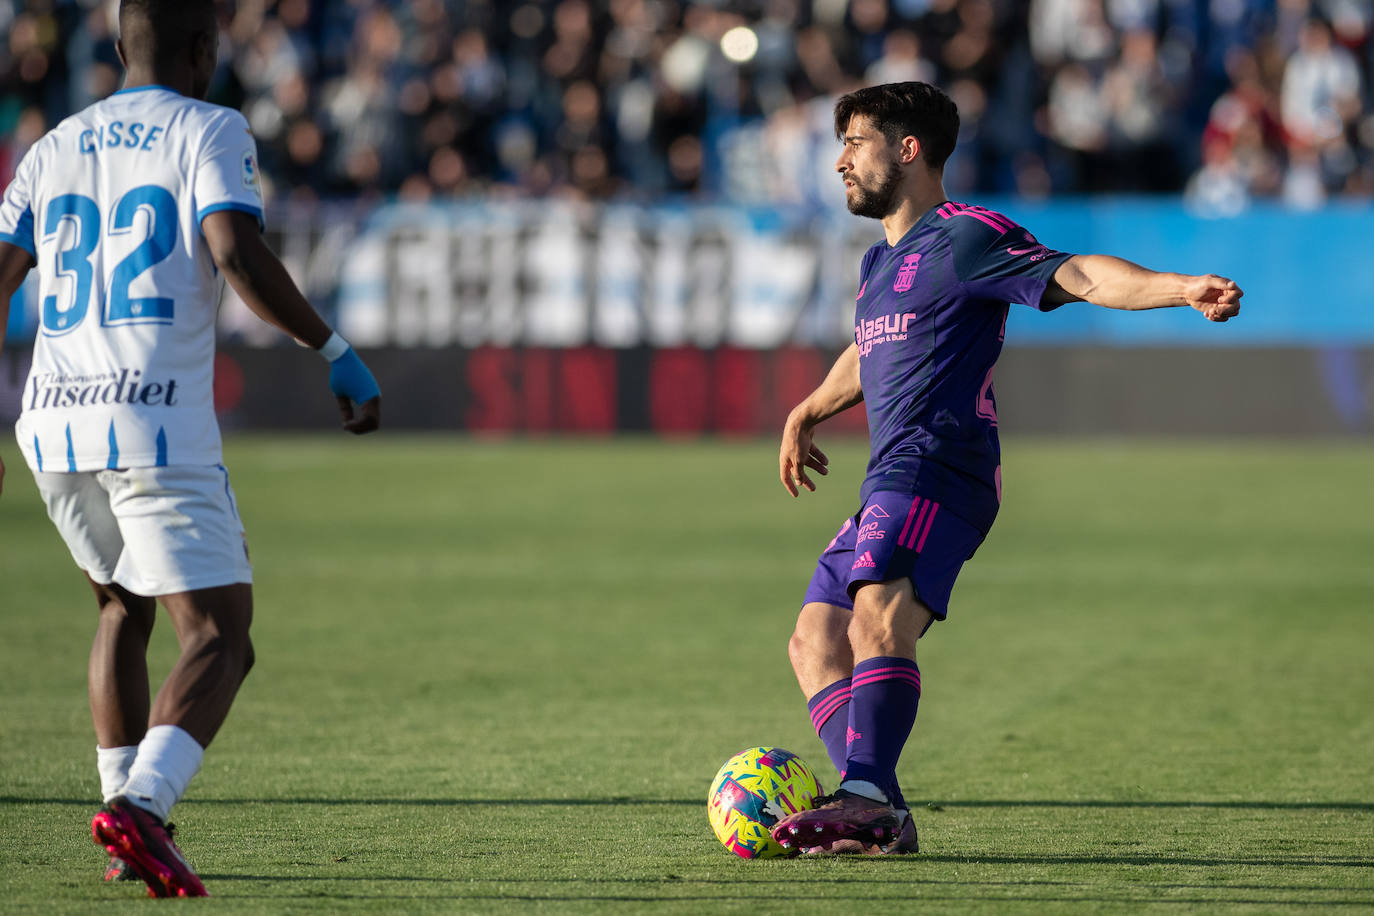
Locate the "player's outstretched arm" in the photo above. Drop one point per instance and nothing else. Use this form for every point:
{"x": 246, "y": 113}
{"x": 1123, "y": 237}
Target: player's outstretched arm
{"x": 840, "y": 391}
{"x": 15, "y": 263}
{"x": 262, "y": 282}
{"x": 1118, "y": 284}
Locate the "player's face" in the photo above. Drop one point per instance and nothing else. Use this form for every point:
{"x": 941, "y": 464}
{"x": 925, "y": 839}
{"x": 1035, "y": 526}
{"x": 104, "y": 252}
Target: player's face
{"x": 870, "y": 169}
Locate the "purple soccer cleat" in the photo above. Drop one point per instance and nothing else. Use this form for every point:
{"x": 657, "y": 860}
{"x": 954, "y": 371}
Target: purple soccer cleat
{"x": 145, "y": 844}
{"x": 842, "y": 816}
{"x": 904, "y": 843}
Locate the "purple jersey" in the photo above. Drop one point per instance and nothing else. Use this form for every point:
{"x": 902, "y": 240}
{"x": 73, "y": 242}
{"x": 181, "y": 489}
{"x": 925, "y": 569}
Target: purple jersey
{"x": 929, "y": 323}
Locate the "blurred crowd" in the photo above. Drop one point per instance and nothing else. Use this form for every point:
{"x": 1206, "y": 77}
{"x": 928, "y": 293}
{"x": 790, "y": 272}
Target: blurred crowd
{"x": 1228, "y": 100}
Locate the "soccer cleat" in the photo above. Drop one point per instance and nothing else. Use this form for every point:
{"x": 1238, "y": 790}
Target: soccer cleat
{"x": 842, "y": 816}
{"x": 118, "y": 870}
{"x": 129, "y": 833}
{"x": 904, "y": 843}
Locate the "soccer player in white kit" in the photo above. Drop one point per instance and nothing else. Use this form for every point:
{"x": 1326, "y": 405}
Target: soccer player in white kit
{"x": 130, "y": 210}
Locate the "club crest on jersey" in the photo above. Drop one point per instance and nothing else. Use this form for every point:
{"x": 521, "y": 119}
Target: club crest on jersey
{"x": 906, "y": 274}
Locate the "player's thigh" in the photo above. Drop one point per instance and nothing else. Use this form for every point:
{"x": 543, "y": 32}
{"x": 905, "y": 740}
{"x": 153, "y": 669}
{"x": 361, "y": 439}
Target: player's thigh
{"x": 223, "y": 610}
{"x": 908, "y": 539}
{"x": 181, "y": 528}
{"x": 80, "y": 510}
{"x": 820, "y": 622}
{"x": 829, "y": 583}
{"x": 124, "y": 605}
{"x": 888, "y": 617}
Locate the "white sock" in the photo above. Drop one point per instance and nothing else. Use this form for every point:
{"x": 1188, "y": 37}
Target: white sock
{"x": 167, "y": 759}
{"x": 113, "y": 764}
{"x": 867, "y": 789}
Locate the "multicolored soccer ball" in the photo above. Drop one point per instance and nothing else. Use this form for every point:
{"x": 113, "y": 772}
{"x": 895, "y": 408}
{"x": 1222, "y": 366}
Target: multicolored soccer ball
{"x": 752, "y": 792}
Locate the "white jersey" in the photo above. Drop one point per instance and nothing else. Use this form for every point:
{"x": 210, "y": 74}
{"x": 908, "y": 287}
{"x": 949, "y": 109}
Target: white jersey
{"x": 110, "y": 202}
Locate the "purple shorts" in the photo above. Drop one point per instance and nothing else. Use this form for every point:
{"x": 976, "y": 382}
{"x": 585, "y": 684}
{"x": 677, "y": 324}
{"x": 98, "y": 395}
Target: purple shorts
{"x": 896, "y": 536}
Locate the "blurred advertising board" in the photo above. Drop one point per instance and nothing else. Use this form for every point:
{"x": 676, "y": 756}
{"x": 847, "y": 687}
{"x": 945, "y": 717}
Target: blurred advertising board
{"x": 563, "y": 274}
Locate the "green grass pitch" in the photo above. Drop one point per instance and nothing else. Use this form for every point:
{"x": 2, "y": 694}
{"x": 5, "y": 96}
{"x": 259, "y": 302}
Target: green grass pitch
{"x": 498, "y": 677}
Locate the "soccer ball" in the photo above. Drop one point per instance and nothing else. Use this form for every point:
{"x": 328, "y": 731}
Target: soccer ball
{"x": 753, "y": 791}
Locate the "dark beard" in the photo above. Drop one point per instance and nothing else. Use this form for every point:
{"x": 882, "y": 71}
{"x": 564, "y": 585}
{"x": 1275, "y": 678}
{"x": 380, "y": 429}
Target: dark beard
{"x": 877, "y": 202}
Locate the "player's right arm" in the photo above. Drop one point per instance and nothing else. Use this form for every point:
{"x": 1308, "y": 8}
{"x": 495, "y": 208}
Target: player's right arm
{"x": 840, "y": 391}
{"x": 15, "y": 263}
{"x": 261, "y": 280}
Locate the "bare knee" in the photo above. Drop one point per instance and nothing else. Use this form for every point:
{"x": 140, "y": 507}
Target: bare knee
{"x": 819, "y": 648}
{"x": 887, "y": 620}
{"x": 874, "y": 633}
{"x": 122, "y": 610}
{"x": 213, "y": 623}
{"x": 817, "y": 631}
{"x": 228, "y": 655}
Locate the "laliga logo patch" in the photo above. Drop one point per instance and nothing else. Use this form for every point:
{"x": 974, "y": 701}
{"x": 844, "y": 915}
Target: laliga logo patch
{"x": 250, "y": 173}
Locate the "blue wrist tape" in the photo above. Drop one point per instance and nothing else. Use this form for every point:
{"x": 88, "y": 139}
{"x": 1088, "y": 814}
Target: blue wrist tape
{"x": 349, "y": 377}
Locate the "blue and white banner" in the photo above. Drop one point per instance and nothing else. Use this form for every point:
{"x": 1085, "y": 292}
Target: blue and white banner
{"x": 563, "y": 274}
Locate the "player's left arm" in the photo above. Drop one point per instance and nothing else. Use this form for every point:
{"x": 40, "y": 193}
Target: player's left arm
{"x": 15, "y": 263}
{"x": 1119, "y": 284}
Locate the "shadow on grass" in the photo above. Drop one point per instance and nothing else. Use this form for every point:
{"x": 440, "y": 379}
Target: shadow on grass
{"x": 1193, "y": 861}
{"x": 599, "y": 890}
{"x": 810, "y": 901}
{"x": 625, "y": 800}
{"x": 790, "y": 878}
{"x": 1144, "y": 803}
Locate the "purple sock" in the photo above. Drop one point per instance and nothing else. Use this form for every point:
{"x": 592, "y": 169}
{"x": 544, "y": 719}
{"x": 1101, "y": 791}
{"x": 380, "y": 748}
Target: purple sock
{"x": 830, "y": 714}
{"x": 884, "y": 694}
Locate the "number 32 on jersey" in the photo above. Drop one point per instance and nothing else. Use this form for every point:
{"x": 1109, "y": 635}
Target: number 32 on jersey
{"x": 82, "y": 235}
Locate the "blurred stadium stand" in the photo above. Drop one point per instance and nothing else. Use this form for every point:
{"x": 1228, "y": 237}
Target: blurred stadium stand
{"x": 541, "y": 214}
{"x": 639, "y": 98}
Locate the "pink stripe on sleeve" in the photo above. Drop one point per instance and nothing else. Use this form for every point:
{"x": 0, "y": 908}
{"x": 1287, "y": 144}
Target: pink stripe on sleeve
{"x": 981, "y": 217}
{"x": 1001, "y": 219}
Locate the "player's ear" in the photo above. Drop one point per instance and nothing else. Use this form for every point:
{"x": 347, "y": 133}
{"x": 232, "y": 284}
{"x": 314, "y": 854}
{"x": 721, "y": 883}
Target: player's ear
{"x": 119, "y": 52}
{"x": 910, "y": 149}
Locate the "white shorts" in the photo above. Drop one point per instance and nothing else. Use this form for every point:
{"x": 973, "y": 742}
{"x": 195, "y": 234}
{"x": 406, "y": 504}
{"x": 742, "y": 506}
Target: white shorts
{"x": 155, "y": 531}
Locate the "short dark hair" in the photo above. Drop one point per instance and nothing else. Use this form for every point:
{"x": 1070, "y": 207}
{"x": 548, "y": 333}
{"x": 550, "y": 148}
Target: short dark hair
{"x": 156, "y": 31}
{"x": 900, "y": 110}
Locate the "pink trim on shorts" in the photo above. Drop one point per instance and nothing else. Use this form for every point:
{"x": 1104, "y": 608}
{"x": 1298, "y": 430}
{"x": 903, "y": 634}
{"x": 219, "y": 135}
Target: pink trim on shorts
{"x": 935, "y": 507}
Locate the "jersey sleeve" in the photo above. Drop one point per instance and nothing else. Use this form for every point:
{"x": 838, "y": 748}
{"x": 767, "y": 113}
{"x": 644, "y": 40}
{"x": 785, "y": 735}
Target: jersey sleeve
{"x": 227, "y": 169}
{"x": 865, "y": 265}
{"x": 16, "y": 208}
{"x": 997, "y": 259}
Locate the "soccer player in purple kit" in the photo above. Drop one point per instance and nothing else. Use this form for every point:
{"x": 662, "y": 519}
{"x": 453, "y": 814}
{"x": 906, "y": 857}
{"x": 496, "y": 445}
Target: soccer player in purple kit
{"x": 928, "y": 326}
